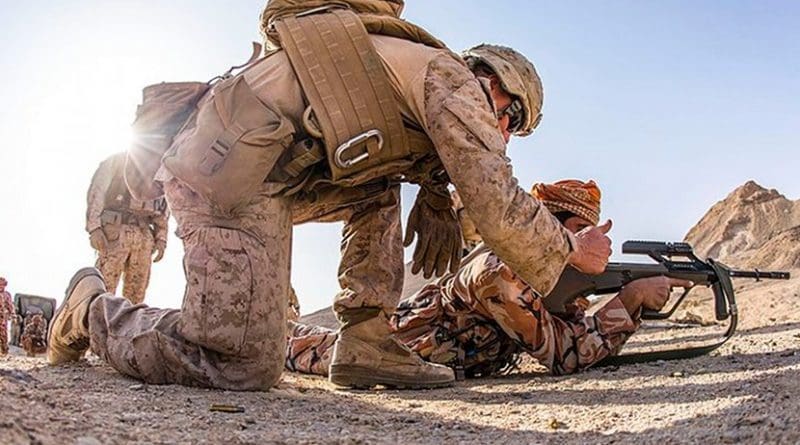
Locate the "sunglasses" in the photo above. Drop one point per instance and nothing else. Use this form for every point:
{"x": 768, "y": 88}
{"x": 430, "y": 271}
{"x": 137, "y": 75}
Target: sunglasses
{"x": 516, "y": 115}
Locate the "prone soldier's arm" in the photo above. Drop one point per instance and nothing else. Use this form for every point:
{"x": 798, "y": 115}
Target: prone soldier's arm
{"x": 563, "y": 346}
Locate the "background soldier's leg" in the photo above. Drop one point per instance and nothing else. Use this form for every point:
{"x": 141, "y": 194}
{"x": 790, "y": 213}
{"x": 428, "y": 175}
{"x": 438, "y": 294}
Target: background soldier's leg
{"x": 111, "y": 264}
{"x": 3, "y": 336}
{"x": 137, "y": 267}
{"x": 231, "y": 330}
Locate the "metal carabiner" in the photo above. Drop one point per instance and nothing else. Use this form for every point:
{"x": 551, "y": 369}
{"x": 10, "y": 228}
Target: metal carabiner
{"x": 343, "y": 164}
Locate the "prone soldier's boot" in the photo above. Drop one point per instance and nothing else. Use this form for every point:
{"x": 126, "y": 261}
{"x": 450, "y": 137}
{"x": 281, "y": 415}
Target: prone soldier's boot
{"x": 367, "y": 354}
{"x": 68, "y": 337}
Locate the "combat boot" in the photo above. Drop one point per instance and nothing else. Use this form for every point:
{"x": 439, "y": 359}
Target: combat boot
{"x": 68, "y": 337}
{"x": 367, "y": 354}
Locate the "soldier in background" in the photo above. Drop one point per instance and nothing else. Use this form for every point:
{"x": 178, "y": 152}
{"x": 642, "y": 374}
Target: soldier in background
{"x": 128, "y": 234}
{"x": 478, "y": 320}
{"x": 33, "y": 339}
{"x": 7, "y": 312}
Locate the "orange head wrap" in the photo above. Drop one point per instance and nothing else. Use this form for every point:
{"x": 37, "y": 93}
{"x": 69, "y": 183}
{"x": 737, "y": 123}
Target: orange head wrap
{"x": 570, "y": 195}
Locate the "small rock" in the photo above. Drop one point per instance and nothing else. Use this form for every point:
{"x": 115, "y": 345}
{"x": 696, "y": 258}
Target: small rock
{"x": 87, "y": 440}
{"x": 555, "y": 424}
{"x": 136, "y": 387}
{"x": 678, "y": 374}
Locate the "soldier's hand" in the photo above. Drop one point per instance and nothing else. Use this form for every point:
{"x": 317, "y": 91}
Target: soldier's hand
{"x": 158, "y": 250}
{"x": 98, "y": 240}
{"x": 650, "y": 293}
{"x": 592, "y": 249}
{"x": 435, "y": 224}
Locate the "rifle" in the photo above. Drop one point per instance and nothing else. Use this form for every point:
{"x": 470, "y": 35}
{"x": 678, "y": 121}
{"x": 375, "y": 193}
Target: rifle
{"x": 688, "y": 266}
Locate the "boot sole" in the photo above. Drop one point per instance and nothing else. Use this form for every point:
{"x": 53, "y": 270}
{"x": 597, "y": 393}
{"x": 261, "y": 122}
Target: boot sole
{"x": 79, "y": 275}
{"x": 360, "y": 377}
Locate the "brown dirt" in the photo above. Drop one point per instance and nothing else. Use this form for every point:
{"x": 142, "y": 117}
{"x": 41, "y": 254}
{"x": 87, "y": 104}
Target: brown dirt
{"x": 745, "y": 392}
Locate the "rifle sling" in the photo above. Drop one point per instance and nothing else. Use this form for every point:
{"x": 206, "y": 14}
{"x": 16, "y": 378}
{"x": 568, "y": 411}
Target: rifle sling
{"x": 669, "y": 354}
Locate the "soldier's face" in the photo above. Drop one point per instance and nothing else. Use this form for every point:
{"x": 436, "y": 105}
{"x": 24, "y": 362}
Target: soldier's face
{"x": 501, "y": 101}
{"x": 575, "y": 224}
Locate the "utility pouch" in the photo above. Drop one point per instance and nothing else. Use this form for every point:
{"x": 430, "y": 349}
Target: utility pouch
{"x": 164, "y": 110}
{"x": 230, "y": 145}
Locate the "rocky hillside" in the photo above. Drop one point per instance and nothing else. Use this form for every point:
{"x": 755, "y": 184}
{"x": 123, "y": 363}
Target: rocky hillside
{"x": 752, "y": 227}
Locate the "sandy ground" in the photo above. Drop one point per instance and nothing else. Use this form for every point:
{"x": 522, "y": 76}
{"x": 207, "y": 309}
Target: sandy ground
{"x": 745, "y": 392}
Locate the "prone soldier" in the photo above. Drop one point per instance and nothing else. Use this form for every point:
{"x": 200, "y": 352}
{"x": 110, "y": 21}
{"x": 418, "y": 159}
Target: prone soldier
{"x": 304, "y": 124}
{"x": 478, "y": 320}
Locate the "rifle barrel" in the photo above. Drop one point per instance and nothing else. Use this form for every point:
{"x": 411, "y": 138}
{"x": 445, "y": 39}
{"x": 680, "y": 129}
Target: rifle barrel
{"x": 759, "y": 274}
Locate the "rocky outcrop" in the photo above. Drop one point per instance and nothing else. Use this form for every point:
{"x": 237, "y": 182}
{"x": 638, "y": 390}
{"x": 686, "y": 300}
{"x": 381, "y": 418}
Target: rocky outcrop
{"x": 752, "y": 227}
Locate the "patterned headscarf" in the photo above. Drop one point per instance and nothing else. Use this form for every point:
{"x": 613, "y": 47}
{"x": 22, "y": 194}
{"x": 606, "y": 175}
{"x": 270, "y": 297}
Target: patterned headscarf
{"x": 570, "y": 195}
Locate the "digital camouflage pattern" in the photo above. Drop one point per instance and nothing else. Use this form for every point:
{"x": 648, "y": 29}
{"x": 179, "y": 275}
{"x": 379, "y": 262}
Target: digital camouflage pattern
{"x": 231, "y": 330}
{"x": 130, "y": 244}
{"x": 479, "y": 320}
{"x": 130, "y": 255}
{"x": 7, "y": 313}
{"x": 34, "y": 335}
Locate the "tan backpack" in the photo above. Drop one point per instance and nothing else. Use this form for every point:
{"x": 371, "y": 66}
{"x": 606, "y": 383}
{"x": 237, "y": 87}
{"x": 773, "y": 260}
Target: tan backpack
{"x": 165, "y": 109}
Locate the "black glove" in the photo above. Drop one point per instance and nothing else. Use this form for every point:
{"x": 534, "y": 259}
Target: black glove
{"x": 435, "y": 224}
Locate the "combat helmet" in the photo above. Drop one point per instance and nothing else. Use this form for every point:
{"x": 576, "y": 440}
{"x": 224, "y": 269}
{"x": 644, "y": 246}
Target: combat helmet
{"x": 517, "y": 76}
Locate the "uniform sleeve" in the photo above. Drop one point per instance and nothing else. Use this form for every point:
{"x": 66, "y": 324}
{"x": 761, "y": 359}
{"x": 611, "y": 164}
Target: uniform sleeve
{"x": 463, "y": 127}
{"x": 95, "y": 197}
{"x": 161, "y": 226}
{"x": 562, "y": 346}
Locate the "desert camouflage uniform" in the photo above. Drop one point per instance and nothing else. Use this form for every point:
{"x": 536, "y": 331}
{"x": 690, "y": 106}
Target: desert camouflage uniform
{"x": 33, "y": 339}
{"x": 138, "y": 227}
{"x": 479, "y": 320}
{"x": 7, "y": 313}
{"x": 309, "y": 348}
{"x": 231, "y": 330}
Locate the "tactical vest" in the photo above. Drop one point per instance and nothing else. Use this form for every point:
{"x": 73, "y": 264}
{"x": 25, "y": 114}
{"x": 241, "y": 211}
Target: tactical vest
{"x": 352, "y": 107}
{"x": 235, "y": 141}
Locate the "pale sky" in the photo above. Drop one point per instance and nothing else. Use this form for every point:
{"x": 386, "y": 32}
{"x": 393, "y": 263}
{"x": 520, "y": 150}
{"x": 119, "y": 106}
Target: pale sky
{"x": 668, "y": 105}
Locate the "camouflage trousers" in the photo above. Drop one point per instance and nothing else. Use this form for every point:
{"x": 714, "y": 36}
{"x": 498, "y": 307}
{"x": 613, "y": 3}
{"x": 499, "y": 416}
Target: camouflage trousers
{"x": 3, "y": 336}
{"x": 230, "y": 332}
{"x": 128, "y": 256}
